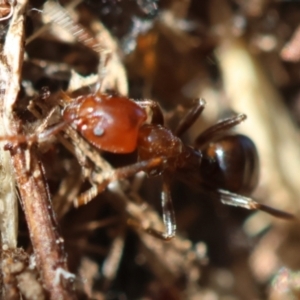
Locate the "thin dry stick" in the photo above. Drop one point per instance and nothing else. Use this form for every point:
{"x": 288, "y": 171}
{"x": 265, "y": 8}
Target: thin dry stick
{"x": 40, "y": 217}
{"x": 47, "y": 245}
{"x": 58, "y": 15}
{"x": 111, "y": 72}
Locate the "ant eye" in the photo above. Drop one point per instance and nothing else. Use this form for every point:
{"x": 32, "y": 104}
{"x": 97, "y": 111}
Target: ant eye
{"x": 105, "y": 120}
{"x": 98, "y": 130}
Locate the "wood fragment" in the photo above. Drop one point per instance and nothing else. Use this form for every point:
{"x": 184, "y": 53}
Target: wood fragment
{"x": 46, "y": 242}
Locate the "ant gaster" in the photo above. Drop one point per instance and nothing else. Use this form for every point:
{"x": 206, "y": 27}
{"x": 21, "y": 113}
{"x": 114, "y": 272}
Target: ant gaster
{"x": 225, "y": 164}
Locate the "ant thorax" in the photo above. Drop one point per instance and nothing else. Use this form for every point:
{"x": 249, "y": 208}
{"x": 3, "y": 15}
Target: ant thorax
{"x": 156, "y": 141}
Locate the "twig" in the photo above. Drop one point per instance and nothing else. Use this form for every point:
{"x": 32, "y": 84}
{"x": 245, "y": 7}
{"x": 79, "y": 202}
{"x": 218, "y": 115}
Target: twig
{"x": 47, "y": 244}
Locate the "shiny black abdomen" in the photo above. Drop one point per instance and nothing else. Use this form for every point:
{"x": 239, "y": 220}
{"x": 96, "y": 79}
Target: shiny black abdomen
{"x": 230, "y": 163}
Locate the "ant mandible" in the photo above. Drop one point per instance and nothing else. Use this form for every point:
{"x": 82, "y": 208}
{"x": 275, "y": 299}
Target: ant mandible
{"x": 224, "y": 163}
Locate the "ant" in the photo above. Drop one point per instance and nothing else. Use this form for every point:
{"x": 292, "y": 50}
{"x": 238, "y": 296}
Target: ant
{"x": 222, "y": 162}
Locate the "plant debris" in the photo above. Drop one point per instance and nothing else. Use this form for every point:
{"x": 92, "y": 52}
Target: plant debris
{"x": 240, "y": 56}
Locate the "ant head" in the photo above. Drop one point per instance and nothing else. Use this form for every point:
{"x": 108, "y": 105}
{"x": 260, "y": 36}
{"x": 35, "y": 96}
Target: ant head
{"x": 110, "y": 123}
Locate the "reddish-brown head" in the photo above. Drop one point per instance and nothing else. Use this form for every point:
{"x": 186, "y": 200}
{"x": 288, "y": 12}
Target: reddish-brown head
{"x": 110, "y": 123}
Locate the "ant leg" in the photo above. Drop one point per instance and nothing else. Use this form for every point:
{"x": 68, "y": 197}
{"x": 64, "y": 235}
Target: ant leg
{"x": 40, "y": 135}
{"x": 44, "y": 135}
{"x": 86, "y": 196}
{"x": 219, "y": 128}
{"x": 32, "y": 138}
{"x": 168, "y": 215}
{"x": 190, "y": 118}
{"x": 103, "y": 180}
{"x": 232, "y": 199}
{"x": 42, "y": 127}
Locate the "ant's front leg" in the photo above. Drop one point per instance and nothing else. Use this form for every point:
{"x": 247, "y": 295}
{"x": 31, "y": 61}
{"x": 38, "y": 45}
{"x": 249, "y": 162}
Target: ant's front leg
{"x": 41, "y": 134}
{"x": 104, "y": 179}
{"x": 101, "y": 181}
{"x": 232, "y": 199}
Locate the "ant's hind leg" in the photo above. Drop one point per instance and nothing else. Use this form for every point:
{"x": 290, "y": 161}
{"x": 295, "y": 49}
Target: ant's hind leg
{"x": 232, "y": 199}
{"x": 219, "y": 128}
{"x": 190, "y": 118}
